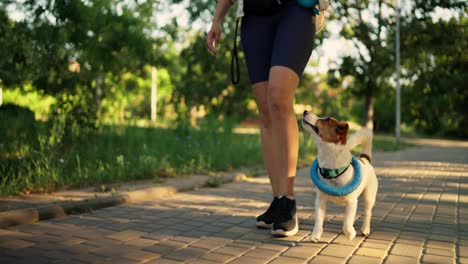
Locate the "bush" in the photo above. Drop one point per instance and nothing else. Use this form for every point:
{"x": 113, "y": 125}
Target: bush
{"x": 17, "y": 125}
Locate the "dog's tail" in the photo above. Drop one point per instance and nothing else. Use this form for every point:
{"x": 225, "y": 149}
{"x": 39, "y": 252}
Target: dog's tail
{"x": 362, "y": 137}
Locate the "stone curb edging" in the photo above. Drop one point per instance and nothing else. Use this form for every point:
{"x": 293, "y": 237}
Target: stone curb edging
{"x": 30, "y": 215}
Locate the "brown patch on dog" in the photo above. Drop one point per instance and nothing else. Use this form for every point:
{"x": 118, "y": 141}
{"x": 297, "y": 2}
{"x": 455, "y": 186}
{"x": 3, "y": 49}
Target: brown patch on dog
{"x": 332, "y": 130}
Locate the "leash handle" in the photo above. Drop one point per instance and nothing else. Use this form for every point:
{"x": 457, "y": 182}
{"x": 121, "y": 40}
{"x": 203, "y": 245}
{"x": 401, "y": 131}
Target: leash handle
{"x": 235, "y": 77}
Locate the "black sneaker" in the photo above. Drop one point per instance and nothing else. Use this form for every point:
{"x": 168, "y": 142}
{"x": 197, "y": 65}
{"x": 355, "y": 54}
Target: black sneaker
{"x": 286, "y": 219}
{"x": 266, "y": 219}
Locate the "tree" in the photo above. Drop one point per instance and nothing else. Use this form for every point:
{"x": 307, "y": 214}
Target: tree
{"x": 365, "y": 25}
{"x": 435, "y": 61}
{"x": 432, "y": 58}
{"x": 205, "y": 79}
{"x": 18, "y": 54}
{"x": 66, "y": 48}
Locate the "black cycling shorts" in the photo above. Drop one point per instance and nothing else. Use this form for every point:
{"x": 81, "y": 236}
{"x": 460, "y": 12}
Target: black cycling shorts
{"x": 285, "y": 39}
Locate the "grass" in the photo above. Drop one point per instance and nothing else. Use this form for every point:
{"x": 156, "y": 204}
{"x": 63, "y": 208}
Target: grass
{"x": 118, "y": 153}
{"x": 388, "y": 143}
{"x": 32, "y": 160}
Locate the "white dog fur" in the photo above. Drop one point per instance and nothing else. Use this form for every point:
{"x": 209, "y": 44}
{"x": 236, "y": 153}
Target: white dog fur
{"x": 334, "y": 151}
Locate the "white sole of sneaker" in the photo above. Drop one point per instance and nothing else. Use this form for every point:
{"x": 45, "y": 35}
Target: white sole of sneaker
{"x": 261, "y": 224}
{"x": 284, "y": 233}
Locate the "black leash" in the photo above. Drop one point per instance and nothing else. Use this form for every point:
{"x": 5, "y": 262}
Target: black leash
{"x": 235, "y": 58}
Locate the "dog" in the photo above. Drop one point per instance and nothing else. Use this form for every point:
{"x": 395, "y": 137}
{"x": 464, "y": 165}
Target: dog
{"x": 334, "y": 151}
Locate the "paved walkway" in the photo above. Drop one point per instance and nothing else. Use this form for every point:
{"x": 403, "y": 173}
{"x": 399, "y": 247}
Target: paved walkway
{"x": 421, "y": 216}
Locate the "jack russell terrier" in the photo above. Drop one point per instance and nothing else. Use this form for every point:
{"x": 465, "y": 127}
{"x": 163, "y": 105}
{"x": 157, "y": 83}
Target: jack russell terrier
{"x": 337, "y": 169}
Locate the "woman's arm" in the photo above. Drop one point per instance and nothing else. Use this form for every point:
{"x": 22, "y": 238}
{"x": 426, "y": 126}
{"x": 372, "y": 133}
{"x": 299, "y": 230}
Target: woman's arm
{"x": 212, "y": 39}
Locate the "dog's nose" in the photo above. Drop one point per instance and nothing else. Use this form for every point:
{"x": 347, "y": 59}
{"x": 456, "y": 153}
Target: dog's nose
{"x": 305, "y": 113}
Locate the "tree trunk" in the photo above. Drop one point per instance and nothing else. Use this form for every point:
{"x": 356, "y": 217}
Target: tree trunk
{"x": 369, "y": 108}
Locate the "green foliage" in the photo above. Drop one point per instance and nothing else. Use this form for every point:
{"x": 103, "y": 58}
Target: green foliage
{"x": 39, "y": 159}
{"x": 66, "y": 48}
{"x": 436, "y": 61}
{"x": 384, "y": 118}
{"x": 16, "y": 65}
{"x": 30, "y": 159}
{"x": 29, "y": 97}
{"x": 433, "y": 63}
{"x": 388, "y": 143}
{"x": 213, "y": 124}
{"x": 128, "y": 97}
{"x": 205, "y": 79}
{"x": 364, "y": 24}
{"x": 16, "y": 122}
{"x": 118, "y": 154}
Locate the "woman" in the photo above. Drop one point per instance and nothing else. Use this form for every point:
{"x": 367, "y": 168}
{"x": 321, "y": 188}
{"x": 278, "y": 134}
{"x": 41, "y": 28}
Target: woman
{"x": 277, "y": 48}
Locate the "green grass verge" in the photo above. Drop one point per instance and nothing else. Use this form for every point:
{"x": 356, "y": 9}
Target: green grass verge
{"x": 29, "y": 163}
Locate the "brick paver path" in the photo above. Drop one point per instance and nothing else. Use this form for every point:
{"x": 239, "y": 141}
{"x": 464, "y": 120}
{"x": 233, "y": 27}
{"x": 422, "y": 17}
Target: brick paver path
{"x": 421, "y": 216}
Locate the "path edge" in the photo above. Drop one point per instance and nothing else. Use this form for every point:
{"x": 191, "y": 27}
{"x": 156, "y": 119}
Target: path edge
{"x": 31, "y": 215}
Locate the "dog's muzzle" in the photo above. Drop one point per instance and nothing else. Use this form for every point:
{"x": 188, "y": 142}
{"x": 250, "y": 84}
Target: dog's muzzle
{"x": 305, "y": 122}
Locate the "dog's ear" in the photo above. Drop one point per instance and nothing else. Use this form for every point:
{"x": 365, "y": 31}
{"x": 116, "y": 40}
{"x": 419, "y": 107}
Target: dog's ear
{"x": 342, "y": 132}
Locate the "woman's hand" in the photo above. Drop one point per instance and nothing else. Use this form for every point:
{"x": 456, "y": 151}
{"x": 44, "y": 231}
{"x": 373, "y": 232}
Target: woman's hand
{"x": 212, "y": 39}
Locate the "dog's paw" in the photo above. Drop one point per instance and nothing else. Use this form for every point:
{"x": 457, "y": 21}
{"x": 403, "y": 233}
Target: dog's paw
{"x": 315, "y": 236}
{"x": 365, "y": 231}
{"x": 314, "y": 239}
{"x": 350, "y": 234}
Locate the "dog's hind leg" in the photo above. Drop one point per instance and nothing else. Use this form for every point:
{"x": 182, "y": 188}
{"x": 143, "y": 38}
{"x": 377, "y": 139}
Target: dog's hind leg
{"x": 368, "y": 196}
{"x": 320, "y": 209}
{"x": 350, "y": 215}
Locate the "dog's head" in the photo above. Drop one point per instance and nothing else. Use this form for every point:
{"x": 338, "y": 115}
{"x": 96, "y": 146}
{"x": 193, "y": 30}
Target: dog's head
{"x": 327, "y": 129}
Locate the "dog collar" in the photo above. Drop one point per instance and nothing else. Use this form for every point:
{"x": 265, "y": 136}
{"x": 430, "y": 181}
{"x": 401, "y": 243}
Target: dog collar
{"x": 333, "y": 173}
{"x": 337, "y": 191}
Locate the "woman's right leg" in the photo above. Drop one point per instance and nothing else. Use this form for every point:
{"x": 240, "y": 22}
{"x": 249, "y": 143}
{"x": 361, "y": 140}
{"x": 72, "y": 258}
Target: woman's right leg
{"x": 270, "y": 158}
{"x": 257, "y": 34}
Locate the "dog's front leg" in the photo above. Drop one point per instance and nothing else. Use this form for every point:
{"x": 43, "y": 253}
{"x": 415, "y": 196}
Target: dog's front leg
{"x": 320, "y": 209}
{"x": 350, "y": 215}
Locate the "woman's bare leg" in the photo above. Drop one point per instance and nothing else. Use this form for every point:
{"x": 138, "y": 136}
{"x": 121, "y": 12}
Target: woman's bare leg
{"x": 269, "y": 154}
{"x": 285, "y": 132}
